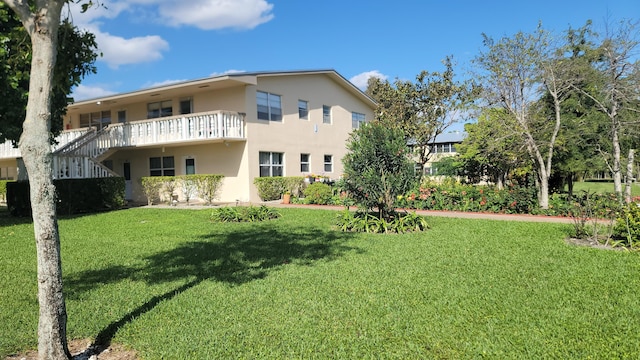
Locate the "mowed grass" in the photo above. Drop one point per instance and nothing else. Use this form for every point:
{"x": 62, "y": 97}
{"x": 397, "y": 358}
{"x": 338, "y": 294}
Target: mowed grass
{"x": 172, "y": 285}
{"x": 602, "y": 187}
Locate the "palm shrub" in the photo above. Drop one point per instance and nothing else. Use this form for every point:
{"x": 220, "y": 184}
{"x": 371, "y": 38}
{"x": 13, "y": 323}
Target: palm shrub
{"x": 378, "y": 168}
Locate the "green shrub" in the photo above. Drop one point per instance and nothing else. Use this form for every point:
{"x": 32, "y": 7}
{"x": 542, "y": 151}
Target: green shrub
{"x": 207, "y": 185}
{"x": 151, "y": 187}
{"x": 270, "y": 188}
{"x": 188, "y": 186}
{"x": 371, "y": 223}
{"x": 378, "y": 168}
{"x": 627, "y": 227}
{"x": 3, "y": 189}
{"x": 318, "y": 193}
{"x": 244, "y": 214}
{"x": 73, "y": 195}
{"x": 294, "y": 184}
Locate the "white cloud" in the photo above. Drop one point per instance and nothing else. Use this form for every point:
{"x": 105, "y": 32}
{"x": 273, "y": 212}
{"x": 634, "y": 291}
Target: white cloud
{"x": 83, "y": 92}
{"x": 227, "y": 72}
{"x": 362, "y": 79}
{"x": 163, "y": 83}
{"x": 216, "y": 14}
{"x": 118, "y": 51}
{"x": 203, "y": 14}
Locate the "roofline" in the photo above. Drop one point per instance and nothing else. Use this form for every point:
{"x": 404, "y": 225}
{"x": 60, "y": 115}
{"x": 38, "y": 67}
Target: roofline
{"x": 249, "y": 78}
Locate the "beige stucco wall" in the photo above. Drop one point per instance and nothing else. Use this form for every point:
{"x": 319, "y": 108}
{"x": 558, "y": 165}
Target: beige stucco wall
{"x": 8, "y": 169}
{"x": 293, "y": 136}
{"x": 211, "y": 158}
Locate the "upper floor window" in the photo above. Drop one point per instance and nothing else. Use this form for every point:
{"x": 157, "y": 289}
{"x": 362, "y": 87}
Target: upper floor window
{"x": 326, "y": 114}
{"x": 269, "y": 106}
{"x": 271, "y": 163}
{"x": 98, "y": 119}
{"x": 186, "y": 106}
{"x": 357, "y": 119}
{"x": 122, "y": 116}
{"x": 162, "y": 166}
{"x": 303, "y": 109}
{"x": 159, "y": 109}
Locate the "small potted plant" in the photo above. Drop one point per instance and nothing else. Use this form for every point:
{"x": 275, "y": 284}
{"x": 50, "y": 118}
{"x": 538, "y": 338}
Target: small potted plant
{"x": 286, "y": 197}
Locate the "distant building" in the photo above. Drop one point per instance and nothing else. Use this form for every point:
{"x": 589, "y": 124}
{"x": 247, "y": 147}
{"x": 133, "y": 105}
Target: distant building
{"x": 443, "y": 145}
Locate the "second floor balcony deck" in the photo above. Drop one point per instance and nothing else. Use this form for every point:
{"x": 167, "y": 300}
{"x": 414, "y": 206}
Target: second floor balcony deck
{"x": 188, "y": 128}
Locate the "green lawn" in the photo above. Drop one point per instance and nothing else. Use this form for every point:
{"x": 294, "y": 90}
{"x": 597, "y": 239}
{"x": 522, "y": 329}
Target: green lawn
{"x": 172, "y": 285}
{"x": 602, "y": 187}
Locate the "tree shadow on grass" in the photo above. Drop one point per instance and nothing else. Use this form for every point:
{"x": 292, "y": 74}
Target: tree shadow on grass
{"x": 236, "y": 256}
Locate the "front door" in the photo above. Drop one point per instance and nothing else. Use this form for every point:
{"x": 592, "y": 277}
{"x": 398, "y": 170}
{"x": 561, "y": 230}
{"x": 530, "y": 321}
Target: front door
{"x": 126, "y": 170}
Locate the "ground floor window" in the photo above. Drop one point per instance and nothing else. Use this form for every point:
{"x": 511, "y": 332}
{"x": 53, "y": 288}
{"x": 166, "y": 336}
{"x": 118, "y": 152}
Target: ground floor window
{"x": 304, "y": 163}
{"x": 162, "y": 166}
{"x": 328, "y": 163}
{"x": 271, "y": 164}
{"x": 190, "y": 166}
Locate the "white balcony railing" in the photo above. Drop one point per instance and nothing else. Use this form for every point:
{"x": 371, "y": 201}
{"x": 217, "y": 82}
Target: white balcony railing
{"x": 184, "y": 128}
{"x": 7, "y": 151}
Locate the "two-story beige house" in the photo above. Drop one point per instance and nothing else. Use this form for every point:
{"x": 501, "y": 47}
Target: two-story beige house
{"x": 242, "y": 126}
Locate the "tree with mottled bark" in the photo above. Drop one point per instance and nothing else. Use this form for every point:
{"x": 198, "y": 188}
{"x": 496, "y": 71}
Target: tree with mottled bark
{"x": 41, "y": 20}
{"x": 514, "y": 72}
{"x": 617, "y": 97}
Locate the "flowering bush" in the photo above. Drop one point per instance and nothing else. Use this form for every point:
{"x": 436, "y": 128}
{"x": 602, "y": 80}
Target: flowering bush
{"x": 454, "y": 196}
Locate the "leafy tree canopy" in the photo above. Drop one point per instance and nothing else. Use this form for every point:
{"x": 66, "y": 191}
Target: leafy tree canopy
{"x": 75, "y": 59}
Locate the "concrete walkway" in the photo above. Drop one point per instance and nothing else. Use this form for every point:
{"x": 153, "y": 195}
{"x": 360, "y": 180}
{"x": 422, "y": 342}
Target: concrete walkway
{"x": 452, "y": 214}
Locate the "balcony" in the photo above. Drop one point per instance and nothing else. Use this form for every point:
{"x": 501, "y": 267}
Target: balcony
{"x": 198, "y": 127}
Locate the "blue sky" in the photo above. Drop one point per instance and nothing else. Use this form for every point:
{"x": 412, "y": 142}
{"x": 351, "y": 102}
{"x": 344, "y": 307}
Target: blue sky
{"x": 153, "y": 42}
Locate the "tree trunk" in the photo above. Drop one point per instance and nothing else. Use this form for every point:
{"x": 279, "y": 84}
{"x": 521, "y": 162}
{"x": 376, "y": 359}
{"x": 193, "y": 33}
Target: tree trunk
{"x": 630, "y": 178}
{"x": 616, "y": 166}
{"x": 34, "y": 146}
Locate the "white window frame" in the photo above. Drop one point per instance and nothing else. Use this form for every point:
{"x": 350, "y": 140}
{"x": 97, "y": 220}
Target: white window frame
{"x": 328, "y": 165}
{"x": 303, "y": 109}
{"x": 357, "y": 119}
{"x": 97, "y": 119}
{"x": 269, "y": 101}
{"x": 326, "y": 114}
{"x": 305, "y": 166}
{"x": 164, "y": 168}
{"x": 270, "y": 163}
{"x": 164, "y": 109}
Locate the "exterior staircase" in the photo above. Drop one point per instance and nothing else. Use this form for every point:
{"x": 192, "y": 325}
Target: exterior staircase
{"x": 80, "y": 153}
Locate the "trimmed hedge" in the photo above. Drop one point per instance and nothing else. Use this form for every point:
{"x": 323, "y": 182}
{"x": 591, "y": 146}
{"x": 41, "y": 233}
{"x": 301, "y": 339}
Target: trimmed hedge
{"x": 74, "y": 196}
{"x": 272, "y": 188}
{"x": 159, "y": 188}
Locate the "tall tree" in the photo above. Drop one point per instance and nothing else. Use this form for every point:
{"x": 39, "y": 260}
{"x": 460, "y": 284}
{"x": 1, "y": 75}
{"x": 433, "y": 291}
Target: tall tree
{"x": 514, "y": 72}
{"x": 617, "y": 97}
{"x": 41, "y": 21}
{"x": 424, "y": 109}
